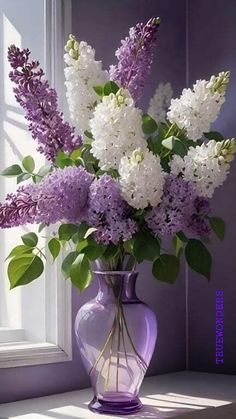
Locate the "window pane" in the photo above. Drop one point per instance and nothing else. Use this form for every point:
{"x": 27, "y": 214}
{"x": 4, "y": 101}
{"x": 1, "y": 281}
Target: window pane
{"x": 21, "y": 23}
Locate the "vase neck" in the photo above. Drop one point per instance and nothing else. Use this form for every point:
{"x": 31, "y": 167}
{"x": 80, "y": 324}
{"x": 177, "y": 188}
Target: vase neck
{"x": 117, "y": 285}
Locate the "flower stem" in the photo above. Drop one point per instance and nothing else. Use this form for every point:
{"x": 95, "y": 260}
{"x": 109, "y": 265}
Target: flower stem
{"x": 118, "y": 349}
{"x": 41, "y": 253}
{"x": 120, "y": 327}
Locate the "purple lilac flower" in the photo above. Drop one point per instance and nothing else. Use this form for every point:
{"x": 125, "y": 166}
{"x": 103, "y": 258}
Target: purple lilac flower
{"x": 40, "y": 103}
{"x": 177, "y": 204}
{"x": 19, "y": 208}
{"x": 197, "y": 224}
{"x": 135, "y": 57}
{"x": 61, "y": 195}
{"x": 108, "y": 212}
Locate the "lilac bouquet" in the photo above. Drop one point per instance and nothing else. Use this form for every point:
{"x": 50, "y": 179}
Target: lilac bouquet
{"x": 119, "y": 180}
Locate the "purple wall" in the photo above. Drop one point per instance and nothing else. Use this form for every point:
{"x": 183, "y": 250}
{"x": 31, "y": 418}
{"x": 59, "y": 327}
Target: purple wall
{"x": 212, "y": 48}
{"x": 103, "y": 24}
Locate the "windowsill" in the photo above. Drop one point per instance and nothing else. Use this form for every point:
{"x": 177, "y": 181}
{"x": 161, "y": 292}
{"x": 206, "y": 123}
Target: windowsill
{"x": 8, "y": 334}
{"x": 199, "y": 395}
{"x": 25, "y": 353}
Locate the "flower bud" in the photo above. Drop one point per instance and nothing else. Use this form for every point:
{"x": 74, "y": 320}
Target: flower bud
{"x": 76, "y": 45}
{"x": 73, "y": 54}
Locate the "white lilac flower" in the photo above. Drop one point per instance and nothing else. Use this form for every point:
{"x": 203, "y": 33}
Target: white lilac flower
{"x": 82, "y": 73}
{"x": 117, "y": 129}
{"x": 160, "y": 102}
{"x": 207, "y": 165}
{"x": 141, "y": 178}
{"x": 198, "y": 108}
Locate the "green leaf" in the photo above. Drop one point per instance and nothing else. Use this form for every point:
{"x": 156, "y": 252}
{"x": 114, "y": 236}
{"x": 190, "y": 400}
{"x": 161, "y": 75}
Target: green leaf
{"x": 80, "y": 272}
{"x": 88, "y": 134}
{"x": 149, "y": 125}
{"x": 67, "y": 262}
{"x": 198, "y": 257}
{"x": 44, "y": 170}
{"x": 218, "y": 226}
{"x": 129, "y": 246}
{"x": 54, "y": 246}
{"x": 81, "y": 245}
{"x": 80, "y": 162}
{"x": 36, "y": 178}
{"x": 24, "y": 269}
{"x": 66, "y": 231}
{"x": 63, "y": 160}
{"x": 162, "y": 129}
{"x": 99, "y": 90}
{"x": 82, "y": 229}
{"x": 30, "y": 239}
{"x": 94, "y": 250}
{"x": 175, "y": 145}
{"x": 22, "y": 177}
{"x": 19, "y": 250}
{"x": 182, "y": 236}
{"x": 76, "y": 153}
{"x": 110, "y": 87}
{"x": 166, "y": 268}
{"x": 110, "y": 252}
{"x": 214, "y": 135}
{"x": 13, "y": 170}
{"x": 80, "y": 234}
{"x": 178, "y": 245}
{"x": 154, "y": 145}
{"x": 41, "y": 227}
{"x": 146, "y": 247}
{"x": 165, "y": 164}
{"x": 28, "y": 164}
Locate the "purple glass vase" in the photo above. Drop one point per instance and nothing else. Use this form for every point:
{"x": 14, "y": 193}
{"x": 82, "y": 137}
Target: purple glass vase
{"x": 116, "y": 335}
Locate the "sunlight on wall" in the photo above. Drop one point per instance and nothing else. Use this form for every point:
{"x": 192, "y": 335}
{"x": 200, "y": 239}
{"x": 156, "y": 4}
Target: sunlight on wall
{"x": 16, "y": 308}
{"x": 10, "y": 306}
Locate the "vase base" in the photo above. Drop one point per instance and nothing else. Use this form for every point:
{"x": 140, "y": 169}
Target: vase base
{"x": 115, "y": 408}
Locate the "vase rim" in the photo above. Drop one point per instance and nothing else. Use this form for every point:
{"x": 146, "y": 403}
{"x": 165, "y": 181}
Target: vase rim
{"x": 114, "y": 272}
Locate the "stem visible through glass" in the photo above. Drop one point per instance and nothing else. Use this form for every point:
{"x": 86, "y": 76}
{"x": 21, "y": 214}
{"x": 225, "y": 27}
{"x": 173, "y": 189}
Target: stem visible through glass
{"x": 120, "y": 326}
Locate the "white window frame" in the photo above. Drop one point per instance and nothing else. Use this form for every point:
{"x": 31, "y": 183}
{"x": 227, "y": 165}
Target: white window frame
{"x": 58, "y": 313}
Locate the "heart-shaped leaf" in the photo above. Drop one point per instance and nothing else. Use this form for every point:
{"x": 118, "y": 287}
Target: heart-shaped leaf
{"x": 24, "y": 269}
{"x": 198, "y": 257}
{"x": 28, "y": 164}
{"x": 13, "y": 170}
{"x": 218, "y": 226}
{"x": 166, "y": 268}
{"x": 30, "y": 239}
{"x": 80, "y": 272}
{"x": 54, "y": 246}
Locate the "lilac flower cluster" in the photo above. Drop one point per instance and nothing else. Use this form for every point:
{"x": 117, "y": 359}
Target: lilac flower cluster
{"x": 135, "y": 57}
{"x": 71, "y": 194}
{"x": 40, "y": 103}
{"x": 61, "y": 195}
{"x": 197, "y": 224}
{"x": 177, "y": 204}
{"x": 108, "y": 212}
{"x": 19, "y": 209}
